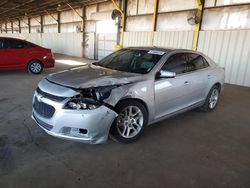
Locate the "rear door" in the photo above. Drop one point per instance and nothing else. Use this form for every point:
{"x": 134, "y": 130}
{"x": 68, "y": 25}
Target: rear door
{"x": 173, "y": 94}
{"x": 198, "y": 67}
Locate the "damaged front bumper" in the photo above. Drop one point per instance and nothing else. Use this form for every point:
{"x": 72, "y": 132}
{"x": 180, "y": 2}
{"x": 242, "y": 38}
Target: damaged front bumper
{"x": 86, "y": 126}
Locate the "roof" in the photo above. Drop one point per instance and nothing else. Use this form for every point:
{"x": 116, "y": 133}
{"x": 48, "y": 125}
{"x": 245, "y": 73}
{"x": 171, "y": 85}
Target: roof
{"x": 151, "y": 48}
{"x": 13, "y": 38}
{"x": 10, "y": 10}
{"x": 162, "y": 49}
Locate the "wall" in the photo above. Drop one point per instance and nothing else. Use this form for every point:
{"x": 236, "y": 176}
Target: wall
{"x": 140, "y": 15}
{"x": 167, "y": 39}
{"x": 100, "y": 30}
{"x": 230, "y": 49}
{"x": 65, "y": 43}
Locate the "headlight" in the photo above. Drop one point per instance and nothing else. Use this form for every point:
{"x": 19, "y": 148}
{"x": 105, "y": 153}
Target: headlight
{"x": 104, "y": 92}
{"x": 82, "y": 104}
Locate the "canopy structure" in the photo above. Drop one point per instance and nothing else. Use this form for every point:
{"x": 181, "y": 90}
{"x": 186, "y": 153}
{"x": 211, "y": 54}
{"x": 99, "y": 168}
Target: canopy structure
{"x": 11, "y": 10}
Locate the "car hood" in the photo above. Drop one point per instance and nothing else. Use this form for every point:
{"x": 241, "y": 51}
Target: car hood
{"x": 92, "y": 76}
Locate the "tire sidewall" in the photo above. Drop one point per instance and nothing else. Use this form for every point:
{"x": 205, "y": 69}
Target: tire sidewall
{"x": 113, "y": 130}
{"x": 206, "y": 106}
{"x": 29, "y": 67}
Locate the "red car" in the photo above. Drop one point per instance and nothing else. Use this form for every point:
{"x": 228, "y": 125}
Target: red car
{"x": 16, "y": 54}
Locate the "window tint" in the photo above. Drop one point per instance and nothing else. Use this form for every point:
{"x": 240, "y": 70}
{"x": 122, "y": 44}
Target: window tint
{"x": 185, "y": 62}
{"x": 1, "y": 43}
{"x": 17, "y": 44}
{"x": 196, "y": 62}
{"x": 131, "y": 60}
{"x": 176, "y": 63}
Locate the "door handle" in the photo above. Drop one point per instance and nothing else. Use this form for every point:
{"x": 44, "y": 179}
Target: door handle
{"x": 186, "y": 83}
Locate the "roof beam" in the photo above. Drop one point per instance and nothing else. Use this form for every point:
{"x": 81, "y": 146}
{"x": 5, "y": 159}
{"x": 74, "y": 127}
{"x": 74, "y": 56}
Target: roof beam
{"x": 36, "y": 8}
{"x": 75, "y": 11}
{"x": 13, "y": 8}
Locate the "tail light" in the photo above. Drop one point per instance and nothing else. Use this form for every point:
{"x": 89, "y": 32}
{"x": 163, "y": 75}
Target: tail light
{"x": 49, "y": 55}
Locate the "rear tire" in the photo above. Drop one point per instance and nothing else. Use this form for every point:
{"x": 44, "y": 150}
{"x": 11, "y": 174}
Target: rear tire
{"x": 35, "y": 67}
{"x": 212, "y": 99}
{"x": 130, "y": 123}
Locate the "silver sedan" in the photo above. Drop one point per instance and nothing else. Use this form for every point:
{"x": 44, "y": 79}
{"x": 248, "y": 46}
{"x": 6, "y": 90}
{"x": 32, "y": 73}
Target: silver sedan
{"x": 124, "y": 92}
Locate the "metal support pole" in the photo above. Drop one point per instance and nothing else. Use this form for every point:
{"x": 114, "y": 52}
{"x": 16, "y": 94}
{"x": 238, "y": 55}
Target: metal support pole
{"x": 123, "y": 5}
{"x": 41, "y": 22}
{"x": 83, "y": 19}
{"x": 6, "y": 27}
{"x": 198, "y": 26}
{"x": 19, "y": 25}
{"x": 156, "y": 3}
{"x": 12, "y": 29}
{"x": 83, "y": 29}
{"x": 123, "y": 23}
{"x": 29, "y": 25}
{"x": 59, "y": 22}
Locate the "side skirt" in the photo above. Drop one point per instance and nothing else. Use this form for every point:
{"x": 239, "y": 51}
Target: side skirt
{"x": 196, "y": 105}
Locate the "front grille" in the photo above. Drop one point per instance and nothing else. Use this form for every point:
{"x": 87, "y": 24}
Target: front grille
{"x": 49, "y": 96}
{"x": 43, "y": 109}
{"x": 43, "y": 124}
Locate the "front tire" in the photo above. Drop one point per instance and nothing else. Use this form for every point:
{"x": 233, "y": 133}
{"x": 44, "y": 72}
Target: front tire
{"x": 35, "y": 67}
{"x": 130, "y": 123}
{"x": 212, "y": 99}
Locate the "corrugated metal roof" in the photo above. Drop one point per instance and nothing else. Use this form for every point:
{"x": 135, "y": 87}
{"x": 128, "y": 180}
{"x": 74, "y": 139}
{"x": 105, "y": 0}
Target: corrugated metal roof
{"x": 12, "y": 10}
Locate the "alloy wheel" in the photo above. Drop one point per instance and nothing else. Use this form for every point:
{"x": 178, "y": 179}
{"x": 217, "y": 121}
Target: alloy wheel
{"x": 213, "y": 98}
{"x": 130, "y": 121}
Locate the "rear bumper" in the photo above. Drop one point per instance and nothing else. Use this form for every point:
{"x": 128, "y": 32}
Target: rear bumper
{"x": 48, "y": 63}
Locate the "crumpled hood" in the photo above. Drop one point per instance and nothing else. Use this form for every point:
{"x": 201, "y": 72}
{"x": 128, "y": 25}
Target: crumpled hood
{"x": 92, "y": 76}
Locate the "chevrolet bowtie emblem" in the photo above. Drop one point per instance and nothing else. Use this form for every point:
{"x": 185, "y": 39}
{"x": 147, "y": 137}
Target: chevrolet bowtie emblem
{"x": 39, "y": 98}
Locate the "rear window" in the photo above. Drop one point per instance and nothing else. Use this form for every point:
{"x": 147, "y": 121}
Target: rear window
{"x": 196, "y": 61}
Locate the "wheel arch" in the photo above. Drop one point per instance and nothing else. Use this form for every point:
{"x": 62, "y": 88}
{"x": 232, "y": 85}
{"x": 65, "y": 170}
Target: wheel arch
{"x": 218, "y": 84}
{"x": 133, "y": 99}
{"x": 35, "y": 59}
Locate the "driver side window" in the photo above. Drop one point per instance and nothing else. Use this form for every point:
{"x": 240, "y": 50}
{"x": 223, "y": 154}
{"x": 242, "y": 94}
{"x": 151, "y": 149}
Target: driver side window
{"x": 176, "y": 63}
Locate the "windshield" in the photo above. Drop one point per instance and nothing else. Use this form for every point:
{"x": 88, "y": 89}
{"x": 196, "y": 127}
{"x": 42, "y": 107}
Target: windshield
{"x": 132, "y": 60}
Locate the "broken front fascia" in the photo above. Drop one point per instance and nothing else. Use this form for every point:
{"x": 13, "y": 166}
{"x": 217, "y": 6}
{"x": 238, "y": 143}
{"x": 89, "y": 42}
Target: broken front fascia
{"x": 94, "y": 114}
{"x": 90, "y": 98}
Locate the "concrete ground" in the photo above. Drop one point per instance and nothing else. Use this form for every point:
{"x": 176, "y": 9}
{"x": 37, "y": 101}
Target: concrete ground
{"x": 194, "y": 149}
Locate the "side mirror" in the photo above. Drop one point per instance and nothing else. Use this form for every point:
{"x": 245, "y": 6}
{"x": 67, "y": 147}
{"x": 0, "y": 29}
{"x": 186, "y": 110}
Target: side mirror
{"x": 165, "y": 74}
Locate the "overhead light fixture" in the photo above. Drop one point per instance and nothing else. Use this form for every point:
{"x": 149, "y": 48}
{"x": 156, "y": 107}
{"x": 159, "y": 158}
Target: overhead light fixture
{"x": 59, "y": 7}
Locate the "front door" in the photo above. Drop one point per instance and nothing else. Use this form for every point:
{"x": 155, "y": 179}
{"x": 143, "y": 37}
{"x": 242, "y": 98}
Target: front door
{"x": 173, "y": 94}
{"x": 16, "y": 52}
